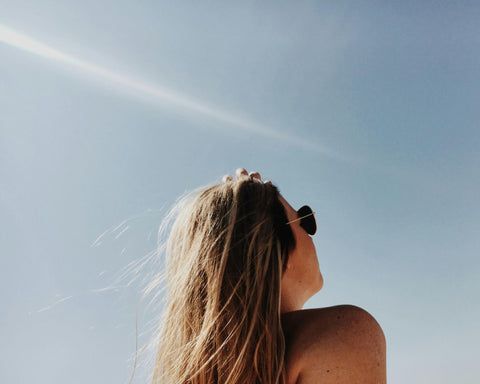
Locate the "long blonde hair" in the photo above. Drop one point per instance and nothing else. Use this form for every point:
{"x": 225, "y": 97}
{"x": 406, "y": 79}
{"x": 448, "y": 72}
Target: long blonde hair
{"x": 225, "y": 256}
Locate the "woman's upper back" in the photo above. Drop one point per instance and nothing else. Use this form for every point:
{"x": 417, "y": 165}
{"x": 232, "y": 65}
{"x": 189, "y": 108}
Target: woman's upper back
{"x": 341, "y": 344}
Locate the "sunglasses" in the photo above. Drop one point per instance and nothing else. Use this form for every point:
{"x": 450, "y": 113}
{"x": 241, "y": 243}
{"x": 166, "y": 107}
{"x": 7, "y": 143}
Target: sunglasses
{"x": 307, "y": 219}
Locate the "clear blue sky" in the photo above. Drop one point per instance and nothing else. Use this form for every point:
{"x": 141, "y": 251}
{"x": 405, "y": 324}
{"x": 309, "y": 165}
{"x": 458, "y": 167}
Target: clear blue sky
{"x": 366, "y": 111}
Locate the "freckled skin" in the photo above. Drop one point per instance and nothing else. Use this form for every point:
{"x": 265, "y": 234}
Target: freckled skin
{"x": 337, "y": 345}
{"x": 334, "y": 345}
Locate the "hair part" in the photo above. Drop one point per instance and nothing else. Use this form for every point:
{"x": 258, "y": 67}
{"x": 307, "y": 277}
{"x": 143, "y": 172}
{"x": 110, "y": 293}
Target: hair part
{"x": 225, "y": 256}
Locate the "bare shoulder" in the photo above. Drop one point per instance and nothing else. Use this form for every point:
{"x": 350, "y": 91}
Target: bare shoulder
{"x": 341, "y": 344}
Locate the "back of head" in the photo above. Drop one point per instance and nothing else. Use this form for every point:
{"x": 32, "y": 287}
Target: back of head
{"x": 225, "y": 256}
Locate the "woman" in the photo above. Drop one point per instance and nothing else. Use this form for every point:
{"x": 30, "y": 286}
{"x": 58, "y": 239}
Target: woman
{"x": 240, "y": 266}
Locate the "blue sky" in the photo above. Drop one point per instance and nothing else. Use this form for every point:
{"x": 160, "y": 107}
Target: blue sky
{"x": 366, "y": 111}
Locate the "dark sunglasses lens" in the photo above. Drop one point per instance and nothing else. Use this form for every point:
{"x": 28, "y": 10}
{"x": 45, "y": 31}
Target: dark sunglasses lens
{"x": 308, "y": 223}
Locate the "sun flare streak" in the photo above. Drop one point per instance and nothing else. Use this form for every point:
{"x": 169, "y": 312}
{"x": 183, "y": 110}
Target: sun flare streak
{"x": 159, "y": 95}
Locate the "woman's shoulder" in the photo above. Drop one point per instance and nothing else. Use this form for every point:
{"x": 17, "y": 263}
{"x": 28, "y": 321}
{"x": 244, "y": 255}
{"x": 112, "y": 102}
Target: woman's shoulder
{"x": 340, "y": 344}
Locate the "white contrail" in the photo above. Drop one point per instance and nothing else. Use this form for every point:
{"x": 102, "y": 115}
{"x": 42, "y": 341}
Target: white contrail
{"x": 160, "y": 95}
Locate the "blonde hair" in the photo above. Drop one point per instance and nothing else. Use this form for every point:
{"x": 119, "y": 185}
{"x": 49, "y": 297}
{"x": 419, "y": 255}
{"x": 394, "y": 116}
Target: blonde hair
{"x": 225, "y": 256}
